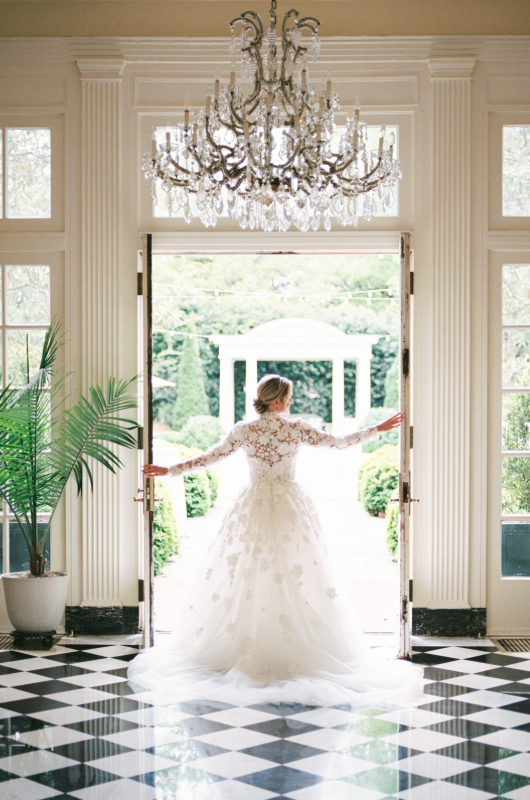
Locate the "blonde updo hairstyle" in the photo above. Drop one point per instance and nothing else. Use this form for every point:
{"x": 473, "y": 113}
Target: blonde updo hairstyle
{"x": 271, "y": 388}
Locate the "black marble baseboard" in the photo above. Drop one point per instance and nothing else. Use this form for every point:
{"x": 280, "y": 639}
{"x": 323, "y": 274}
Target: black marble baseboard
{"x": 449, "y": 622}
{"x": 97, "y": 621}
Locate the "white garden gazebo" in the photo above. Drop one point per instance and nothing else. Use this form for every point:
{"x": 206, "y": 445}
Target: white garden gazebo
{"x": 295, "y": 339}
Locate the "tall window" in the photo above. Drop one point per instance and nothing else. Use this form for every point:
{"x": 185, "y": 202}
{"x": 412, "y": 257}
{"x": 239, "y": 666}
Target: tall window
{"x": 25, "y": 170}
{"x": 25, "y": 315}
{"x": 516, "y": 420}
{"x": 516, "y": 170}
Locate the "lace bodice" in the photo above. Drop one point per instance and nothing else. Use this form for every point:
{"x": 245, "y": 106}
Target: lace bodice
{"x": 271, "y": 444}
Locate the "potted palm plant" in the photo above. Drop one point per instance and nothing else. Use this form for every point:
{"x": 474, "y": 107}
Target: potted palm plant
{"x": 41, "y": 447}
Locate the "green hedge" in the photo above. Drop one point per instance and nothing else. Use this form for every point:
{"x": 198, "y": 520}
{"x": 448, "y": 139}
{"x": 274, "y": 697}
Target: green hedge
{"x": 165, "y": 537}
{"x": 374, "y": 416}
{"x": 378, "y": 479}
{"x": 202, "y": 432}
{"x": 200, "y": 487}
{"x": 392, "y": 526}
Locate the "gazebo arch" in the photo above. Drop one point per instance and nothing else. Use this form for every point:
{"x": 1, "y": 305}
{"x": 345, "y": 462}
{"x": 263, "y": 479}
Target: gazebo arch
{"x": 295, "y": 339}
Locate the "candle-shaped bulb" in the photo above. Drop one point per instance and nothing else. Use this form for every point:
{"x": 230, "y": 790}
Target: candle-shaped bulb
{"x": 319, "y": 131}
{"x": 153, "y": 143}
{"x": 268, "y": 101}
{"x": 297, "y": 121}
{"x": 187, "y": 112}
{"x": 217, "y": 80}
{"x": 381, "y": 139}
{"x": 232, "y": 75}
{"x": 195, "y": 132}
{"x": 322, "y": 101}
{"x": 357, "y": 109}
{"x": 304, "y": 74}
{"x": 392, "y": 139}
{"x": 246, "y": 129}
{"x": 329, "y": 82}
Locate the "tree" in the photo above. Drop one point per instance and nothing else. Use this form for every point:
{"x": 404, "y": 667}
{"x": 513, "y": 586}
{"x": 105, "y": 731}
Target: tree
{"x": 516, "y": 469}
{"x": 191, "y": 394}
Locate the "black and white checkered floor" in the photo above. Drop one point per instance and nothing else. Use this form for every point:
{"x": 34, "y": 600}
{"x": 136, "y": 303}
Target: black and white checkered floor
{"x": 71, "y": 726}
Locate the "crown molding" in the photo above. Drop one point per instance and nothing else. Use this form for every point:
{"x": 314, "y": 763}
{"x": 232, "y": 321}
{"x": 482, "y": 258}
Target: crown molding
{"x": 101, "y": 69}
{"x": 444, "y": 67}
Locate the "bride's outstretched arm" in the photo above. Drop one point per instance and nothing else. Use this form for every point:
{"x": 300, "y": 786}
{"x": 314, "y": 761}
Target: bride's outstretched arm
{"x": 316, "y": 438}
{"x": 224, "y": 449}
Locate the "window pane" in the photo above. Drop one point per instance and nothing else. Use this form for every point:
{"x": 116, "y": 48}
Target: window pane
{"x": 516, "y": 549}
{"x": 516, "y": 293}
{"x": 516, "y": 170}
{"x": 28, "y": 173}
{"x": 516, "y": 421}
{"x": 28, "y": 295}
{"x": 516, "y": 358}
{"x": 18, "y": 549}
{"x": 516, "y": 485}
{"x": 20, "y": 345}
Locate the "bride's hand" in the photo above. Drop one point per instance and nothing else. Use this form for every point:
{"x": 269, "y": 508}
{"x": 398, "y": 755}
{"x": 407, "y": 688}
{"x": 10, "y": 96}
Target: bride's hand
{"x": 152, "y": 471}
{"x": 391, "y": 422}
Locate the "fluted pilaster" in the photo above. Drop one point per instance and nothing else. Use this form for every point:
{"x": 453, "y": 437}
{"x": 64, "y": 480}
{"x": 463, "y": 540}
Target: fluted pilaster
{"x": 100, "y": 159}
{"x": 451, "y": 78}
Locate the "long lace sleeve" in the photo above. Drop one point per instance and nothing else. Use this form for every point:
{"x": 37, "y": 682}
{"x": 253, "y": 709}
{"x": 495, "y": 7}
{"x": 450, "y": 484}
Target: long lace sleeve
{"x": 316, "y": 438}
{"x": 224, "y": 449}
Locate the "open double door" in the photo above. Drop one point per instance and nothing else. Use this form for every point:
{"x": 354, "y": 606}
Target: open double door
{"x": 148, "y": 499}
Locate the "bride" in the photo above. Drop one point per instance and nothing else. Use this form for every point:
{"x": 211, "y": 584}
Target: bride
{"x": 266, "y": 619}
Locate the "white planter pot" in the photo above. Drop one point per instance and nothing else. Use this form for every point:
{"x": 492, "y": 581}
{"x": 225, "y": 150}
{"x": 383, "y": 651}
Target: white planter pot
{"x": 35, "y": 605}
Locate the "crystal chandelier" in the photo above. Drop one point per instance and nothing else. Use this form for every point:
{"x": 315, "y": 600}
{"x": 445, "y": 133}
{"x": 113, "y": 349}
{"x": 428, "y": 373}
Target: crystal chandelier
{"x": 271, "y": 151}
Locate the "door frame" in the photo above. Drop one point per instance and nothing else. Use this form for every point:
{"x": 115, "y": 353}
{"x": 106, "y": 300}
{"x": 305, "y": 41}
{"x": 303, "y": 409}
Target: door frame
{"x": 217, "y": 242}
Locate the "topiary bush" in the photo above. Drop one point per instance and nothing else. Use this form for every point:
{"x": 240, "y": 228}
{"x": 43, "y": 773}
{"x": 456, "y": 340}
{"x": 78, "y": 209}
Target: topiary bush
{"x": 392, "y": 525}
{"x": 197, "y": 485}
{"x": 378, "y": 479}
{"x": 201, "y": 431}
{"x": 374, "y": 416}
{"x": 213, "y": 479}
{"x": 165, "y": 536}
{"x": 191, "y": 394}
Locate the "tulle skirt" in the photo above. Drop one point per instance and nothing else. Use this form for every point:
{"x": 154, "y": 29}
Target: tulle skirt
{"x": 267, "y": 620}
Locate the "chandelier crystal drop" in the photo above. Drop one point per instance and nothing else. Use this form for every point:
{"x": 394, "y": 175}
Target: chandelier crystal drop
{"x": 271, "y": 151}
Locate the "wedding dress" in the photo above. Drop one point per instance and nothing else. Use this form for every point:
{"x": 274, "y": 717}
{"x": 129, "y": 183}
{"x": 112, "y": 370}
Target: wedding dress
{"x": 266, "y": 619}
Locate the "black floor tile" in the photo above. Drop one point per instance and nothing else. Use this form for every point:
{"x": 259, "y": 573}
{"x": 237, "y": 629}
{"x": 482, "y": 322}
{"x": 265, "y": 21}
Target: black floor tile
{"x": 282, "y": 727}
{"x": 48, "y": 687}
{"x": 12, "y": 747}
{"x": 281, "y": 779}
{"x": 438, "y": 674}
{"x": 199, "y": 708}
{"x": 429, "y": 660}
{"x": 460, "y": 726}
{"x": 115, "y": 705}
{"x": 386, "y": 779}
{"x": 440, "y": 689}
{"x": 509, "y": 674}
{"x": 521, "y": 706}
{"x": 6, "y": 776}
{"x": 454, "y": 708}
{"x": 500, "y": 659}
{"x": 90, "y": 750}
{"x": 489, "y": 780}
{"x": 476, "y": 752}
{"x": 75, "y": 777}
{"x": 169, "y": 781}
{"x": 197, "y": 726}
{"x": 13, "y": 725}
{"x": 379, "y": 751}
{"x": 11, "y": 655}
{"x": 61, "y": 671}
{"x": 30, "y": 705}
{"x": 122, "y": 689}
{"x": 282, "y": 752}
{"x": 288, "y": 709}
{"x": 76, "y": 657}
{"x": 102, "y": 726}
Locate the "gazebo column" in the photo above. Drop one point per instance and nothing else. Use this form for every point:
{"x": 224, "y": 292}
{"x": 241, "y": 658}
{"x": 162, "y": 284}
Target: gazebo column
{"x": 363, "y": 389}
{"x": 251, "y": 383}
{"x": 226, "y": 392}
{"x": 337, "y": 400}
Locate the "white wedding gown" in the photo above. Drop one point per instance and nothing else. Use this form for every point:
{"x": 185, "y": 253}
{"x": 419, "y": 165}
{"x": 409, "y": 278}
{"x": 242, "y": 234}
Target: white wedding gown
{"x": 266, "y": 619}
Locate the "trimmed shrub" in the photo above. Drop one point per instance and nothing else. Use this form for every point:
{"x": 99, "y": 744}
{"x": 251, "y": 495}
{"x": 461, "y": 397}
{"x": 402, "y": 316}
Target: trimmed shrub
{"x": 197, "y": 489}
{"x": 165, "y": 537}
{"x": 213, "y": 479}
{"x": 191, "y": 394}
{"x": 374, "y": 416}
{"x": 378, "y": 479}
{"x": 201, "y": 431}
{"x": 392, "y": 524}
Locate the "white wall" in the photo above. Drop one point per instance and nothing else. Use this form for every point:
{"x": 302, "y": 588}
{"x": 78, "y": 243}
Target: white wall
{"x": 447, "y": 95}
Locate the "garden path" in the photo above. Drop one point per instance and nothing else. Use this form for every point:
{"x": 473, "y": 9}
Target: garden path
{"x": 356, "y": 541}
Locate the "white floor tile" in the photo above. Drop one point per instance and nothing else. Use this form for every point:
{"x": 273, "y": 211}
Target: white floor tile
{"x": 477, "y": 681}
{"x": 457, "y": 652}
{"x": 329, "y": 739}
{"x": 79, "y": 697}
{"x": 101, "y": 664}
{"x": 484, "y": 698}
{"x": 432, "y": 765}
{"x": 465, "y": 666}
{"x": 22, "y": 789}
{"x": 225, "y": 790}
{"x": 524, "y": 664}
{"x": 8, "y": 694}
{"x": 239, "y": 717}
{"x": 334, "y": 790}
{"x": 235, "y": 739}
{"x": 154, "y": 715}
{"x": 35, "y": 663}
{"x": 127, "y": 765}
{"x": 518, "y": 794}
{"x": 232, "y": 765}
{"x": 112, "y": 650}
{"x": 91, "y": 679}
{"x": 6, "y": 713}
{"x": 152, "y": 698}
{"x": 67, "y": 715}
{"x": 51, "y": 737}
{"x": 519, "y": 764}
{"x": 414, "y": 717}
{"x": 34, "y": 762}
{"x": 500, "y": 717}
{"x": 510, "y": 739}
{"x": 143, "y": 738}
{"x": 20, "y": 678}
{"x": 116, "y": 790}
{"x": 424, "y": 740}
{"x": 327, "y": 717}
{"x": 332, "y": 765}
{"x": 440, "y": 790}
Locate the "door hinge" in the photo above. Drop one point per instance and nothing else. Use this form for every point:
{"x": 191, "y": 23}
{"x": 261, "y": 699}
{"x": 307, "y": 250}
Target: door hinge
{"x": 139, "y": 283}
{"x": 411, "y": 283}
{"x": 141, "y": 437}
{"x": 406, "y": 362}
{"x": 410, "y": 590}
{"x": 141, "y": 596}
{"x": 411, "y": 445}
